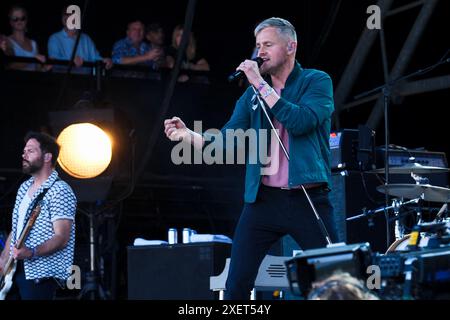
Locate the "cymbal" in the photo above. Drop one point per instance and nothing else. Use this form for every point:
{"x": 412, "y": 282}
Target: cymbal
{"x": 412, "y": 168}
{"x": 412, "y": 191}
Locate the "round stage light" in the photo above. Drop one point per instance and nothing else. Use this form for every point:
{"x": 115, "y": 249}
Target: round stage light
{"x": 86, "y": 150}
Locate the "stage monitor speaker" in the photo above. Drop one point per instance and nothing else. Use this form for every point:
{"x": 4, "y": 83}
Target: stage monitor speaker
{"x": 175, "y": 272}
{"x": 351, "y": 192}
{"x": 284, "y": 247}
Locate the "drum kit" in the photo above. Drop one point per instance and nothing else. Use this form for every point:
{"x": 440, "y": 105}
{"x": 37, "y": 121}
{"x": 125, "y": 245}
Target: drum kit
{"x": 407, "y": 194}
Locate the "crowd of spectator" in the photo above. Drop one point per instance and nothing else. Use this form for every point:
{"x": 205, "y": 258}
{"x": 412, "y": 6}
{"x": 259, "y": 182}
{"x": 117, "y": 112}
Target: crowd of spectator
{"x": 142, "y": 46}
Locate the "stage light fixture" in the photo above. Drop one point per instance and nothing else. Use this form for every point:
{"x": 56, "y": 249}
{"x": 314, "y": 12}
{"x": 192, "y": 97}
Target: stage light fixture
{"x": 86, "y": 150}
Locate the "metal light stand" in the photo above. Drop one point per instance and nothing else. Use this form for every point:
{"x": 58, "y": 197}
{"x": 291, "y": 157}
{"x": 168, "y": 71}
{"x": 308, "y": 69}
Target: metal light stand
{"x": 92, "y": 289}
{"x": 286, "y": 153}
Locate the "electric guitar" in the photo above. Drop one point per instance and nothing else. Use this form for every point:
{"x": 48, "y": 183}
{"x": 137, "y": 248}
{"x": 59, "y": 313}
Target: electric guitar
{"x": 10, "y": 267}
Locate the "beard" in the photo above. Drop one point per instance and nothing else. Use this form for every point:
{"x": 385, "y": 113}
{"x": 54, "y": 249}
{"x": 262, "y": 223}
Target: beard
{"x": 33, "y": 166}
{"x": 269, "y": 69}
{"x": 264, "y": 69}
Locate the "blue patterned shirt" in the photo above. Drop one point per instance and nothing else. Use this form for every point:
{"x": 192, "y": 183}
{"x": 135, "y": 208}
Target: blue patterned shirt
{"x": 124, "y": 48}
{"x": 58, "y": 203}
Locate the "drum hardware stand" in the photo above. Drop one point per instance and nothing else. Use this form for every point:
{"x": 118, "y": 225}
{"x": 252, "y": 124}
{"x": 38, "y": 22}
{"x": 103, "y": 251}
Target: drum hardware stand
{"x": 419, "y": 212}
{"x": 370, "y": 222}
{"x": 386, "y": 89}
{"x": 286, "y": 153}
{"x": 399, "y": 229}
{"x": 441, "y": 213}
{"x": 419, "y": 180}
{"x": 396, "y": 205}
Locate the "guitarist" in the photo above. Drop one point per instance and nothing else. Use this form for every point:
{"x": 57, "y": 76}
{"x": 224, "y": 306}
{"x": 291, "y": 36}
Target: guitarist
{"x": 47, "y": 253}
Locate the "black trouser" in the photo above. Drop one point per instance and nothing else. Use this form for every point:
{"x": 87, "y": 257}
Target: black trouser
{"x": 275, "y": 213}
{"x": 23, "y": 289}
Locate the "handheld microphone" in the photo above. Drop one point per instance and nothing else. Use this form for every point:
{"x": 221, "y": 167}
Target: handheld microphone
{"x": 239, "y": 73}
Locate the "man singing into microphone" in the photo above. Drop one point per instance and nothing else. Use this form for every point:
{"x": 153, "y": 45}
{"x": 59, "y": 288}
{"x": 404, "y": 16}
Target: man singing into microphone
{"x": 300, "y": 104}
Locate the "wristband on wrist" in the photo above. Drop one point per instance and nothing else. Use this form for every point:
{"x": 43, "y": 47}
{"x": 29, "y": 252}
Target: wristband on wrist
{"x": 33, "y": 253}
{"x": 267, "y": 93}
{"x": 261, "y": 85}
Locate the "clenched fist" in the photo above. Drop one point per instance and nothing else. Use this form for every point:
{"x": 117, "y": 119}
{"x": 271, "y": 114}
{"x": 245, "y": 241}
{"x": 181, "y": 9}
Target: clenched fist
{"x": 175, "y": 129}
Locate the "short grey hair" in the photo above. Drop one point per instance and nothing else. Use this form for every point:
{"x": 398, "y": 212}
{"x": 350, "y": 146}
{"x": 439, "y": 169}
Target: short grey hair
{"x": 284, "y": 27}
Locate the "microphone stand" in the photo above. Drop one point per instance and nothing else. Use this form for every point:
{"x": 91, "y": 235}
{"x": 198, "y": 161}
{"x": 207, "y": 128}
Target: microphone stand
{"x": 323, "y": 229}
{"x": 387, "y": 90}
{"x": 396, "y": 204}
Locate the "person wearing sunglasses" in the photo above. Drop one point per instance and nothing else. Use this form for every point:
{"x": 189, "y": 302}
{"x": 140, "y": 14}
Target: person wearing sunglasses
{"x": 18, "y": 44}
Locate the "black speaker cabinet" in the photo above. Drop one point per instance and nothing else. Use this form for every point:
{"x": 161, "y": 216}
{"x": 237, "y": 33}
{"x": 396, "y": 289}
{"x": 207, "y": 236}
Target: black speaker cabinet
{"x": 175, "y": 272}
{"x": 350, "y": 193}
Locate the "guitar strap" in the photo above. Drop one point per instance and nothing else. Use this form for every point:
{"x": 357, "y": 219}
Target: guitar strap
{"x": 36, "y": 202}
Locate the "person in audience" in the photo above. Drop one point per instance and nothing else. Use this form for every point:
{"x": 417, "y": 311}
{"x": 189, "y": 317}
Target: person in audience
{"x": 132, "y": 50}
{"x": 191, "y": 60}
{"x": 155, "y": 36}
{"x": 18, "y": 44}
{"x": 340, "y": 286}
{"x": 62, "y": 43}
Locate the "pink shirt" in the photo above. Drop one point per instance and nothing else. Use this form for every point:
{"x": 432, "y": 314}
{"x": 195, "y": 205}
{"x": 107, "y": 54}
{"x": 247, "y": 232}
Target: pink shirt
{"x": 278, "y": 178}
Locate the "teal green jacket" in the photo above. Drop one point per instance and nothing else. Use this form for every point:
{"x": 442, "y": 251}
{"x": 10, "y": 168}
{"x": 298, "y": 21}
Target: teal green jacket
{"x": 305, "y": 110}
